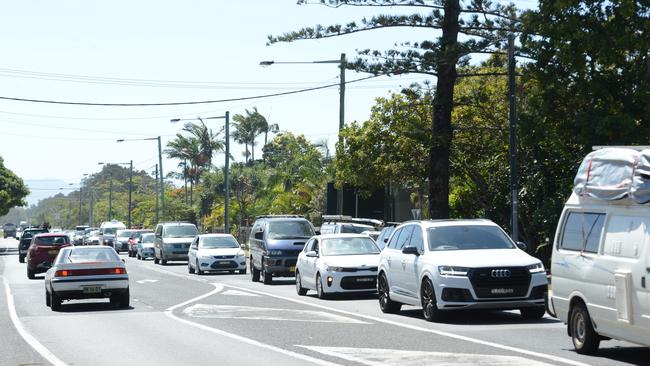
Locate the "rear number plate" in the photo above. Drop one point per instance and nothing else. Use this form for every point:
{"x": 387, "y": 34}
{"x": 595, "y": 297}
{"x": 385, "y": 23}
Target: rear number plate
{"x": 53, "y": 252}
{"x": 92, "y": 289}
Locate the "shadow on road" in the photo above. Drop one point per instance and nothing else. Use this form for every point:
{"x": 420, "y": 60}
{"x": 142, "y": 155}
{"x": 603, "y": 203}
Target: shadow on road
{"x": 89, "y": 307}
{"x": 8, "y": 251}
{"x": 632, "y": 355}
{"x": 349, "y": 297}
{"x": 481, "y": 317}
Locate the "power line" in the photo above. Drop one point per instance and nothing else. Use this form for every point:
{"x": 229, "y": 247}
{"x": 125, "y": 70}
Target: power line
{"x": 181, "y": 103}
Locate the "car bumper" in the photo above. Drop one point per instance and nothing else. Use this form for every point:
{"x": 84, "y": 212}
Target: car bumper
{"x": 40, "y": 267}
{"x": 458, "y": 293}
{"x": 280, "y": 266}
{"x": 146, "y": 252}
{"x": 174, "y": 255}
{"x": 349, "y": 282}
{"x": 229, "y": 264}
{"x": 77, "y": 285}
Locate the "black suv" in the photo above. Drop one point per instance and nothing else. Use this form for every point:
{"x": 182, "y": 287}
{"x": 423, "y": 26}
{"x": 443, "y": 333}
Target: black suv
{"x": 26, "y": 240}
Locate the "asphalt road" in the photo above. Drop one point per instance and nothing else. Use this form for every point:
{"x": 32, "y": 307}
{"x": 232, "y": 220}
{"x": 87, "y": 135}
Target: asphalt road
{"x": 225, "y": 319}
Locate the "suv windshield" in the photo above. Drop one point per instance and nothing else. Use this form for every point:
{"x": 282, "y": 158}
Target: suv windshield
{"x": 147, "y": 238}
{"x": 178, "y": 231}
{"x": 109, "y": 231}
{"x": 211, "y": 242}
{"x": 348, "y": 246}
{"x": 124, "y": 234}
{"x": 290, "y": 230}
{"x": 467, "y": 237}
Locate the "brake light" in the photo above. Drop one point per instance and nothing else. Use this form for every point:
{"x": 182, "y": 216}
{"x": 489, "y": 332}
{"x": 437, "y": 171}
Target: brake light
{"x": 90, "y": 272}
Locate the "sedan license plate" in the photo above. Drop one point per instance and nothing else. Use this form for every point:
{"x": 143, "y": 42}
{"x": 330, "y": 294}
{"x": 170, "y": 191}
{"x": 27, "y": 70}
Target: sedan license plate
{"x": 92, "y": 289}
{"x": 224, "y": 262}
{"x": 53, "y": 252}
{"x": 365, "y": 279}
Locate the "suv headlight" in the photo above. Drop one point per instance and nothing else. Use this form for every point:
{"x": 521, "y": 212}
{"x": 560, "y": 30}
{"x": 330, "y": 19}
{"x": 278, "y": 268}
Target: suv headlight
{"x": 536, "y": 268}
{"x": 453, "y": 271}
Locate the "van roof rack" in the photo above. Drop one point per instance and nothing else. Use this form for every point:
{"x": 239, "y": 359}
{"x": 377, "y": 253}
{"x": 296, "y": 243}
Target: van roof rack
{"x": 279, "y": 216}
{"x": 347, "y": 218}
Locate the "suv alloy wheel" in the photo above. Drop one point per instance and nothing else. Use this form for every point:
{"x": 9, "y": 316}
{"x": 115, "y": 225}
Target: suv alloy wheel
{"x": 385, "y": 303}
{"x": 428, "y": 298}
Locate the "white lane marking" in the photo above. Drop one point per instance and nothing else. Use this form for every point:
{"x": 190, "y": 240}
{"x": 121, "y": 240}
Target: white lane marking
{"x": 179, "y": 275}
{"x": 250, "y": 341}
{"x": 259, "y": 313}
{"x": 395, "y": 357}
{"x": 238, "y": 293}
{"x": 146, "y": 281}
{"x": 217, "y": 288}
{"x": 33, "y": 342}
{"x": 422, "y": 329}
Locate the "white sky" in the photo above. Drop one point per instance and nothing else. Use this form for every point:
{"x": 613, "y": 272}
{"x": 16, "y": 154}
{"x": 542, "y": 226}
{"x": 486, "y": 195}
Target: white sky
{"x": 215, "y": 41}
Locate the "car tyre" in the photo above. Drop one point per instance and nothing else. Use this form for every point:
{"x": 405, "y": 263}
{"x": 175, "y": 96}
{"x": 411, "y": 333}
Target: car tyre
{"x": 255, "y": 273}
{"x": 301, "y": 291}
{"x": 242, "y": 271}
{"x": 138, "y": 257}
{"x": 55, "y": 301}
{"x": 21, "y": 258}
{"x": 584, "y": 337}
{"x": 319, "y": 288}
{"x": 189, "y": 268}
{"x": 48, "y": 302}
{"x": 163, "y": 262}
{"x": 30, "y": 273}
{"x": 385, "y": 303}
{"x": 428, "y": 299}
{"x": 533, "y": 313}
{"x": 267, "y": 278}
{"x": 198, "y": 269}
{"x": 155, "y": 260}
{"x": 124, "y": 299}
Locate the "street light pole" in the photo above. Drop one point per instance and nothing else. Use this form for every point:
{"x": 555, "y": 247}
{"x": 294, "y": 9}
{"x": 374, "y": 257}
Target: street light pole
{"x": 342, "y": 65}
{"x": 162, "y": 182}
{"x": 513, "y": 136}
{"x": 156, "y": 188}
{"x": 130, "y": 189}
{"x": 226, "y": 208}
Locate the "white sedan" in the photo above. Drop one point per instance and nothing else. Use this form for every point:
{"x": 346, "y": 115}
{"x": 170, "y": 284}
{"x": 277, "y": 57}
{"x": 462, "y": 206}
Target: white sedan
{"x": 85, "y": 273}
{"x": 337, "y": 263}
{"x": 215, "y": 252}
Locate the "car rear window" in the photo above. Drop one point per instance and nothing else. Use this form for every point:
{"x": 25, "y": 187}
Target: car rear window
{"x": 85, "y": 255}
{"x": 53, "y": 240}
{"x": 148, "y": 238}
{"x": 30, "y": 233}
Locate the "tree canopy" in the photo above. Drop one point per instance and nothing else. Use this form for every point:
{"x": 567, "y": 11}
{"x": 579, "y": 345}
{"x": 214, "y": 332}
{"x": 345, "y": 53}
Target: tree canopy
{"x": 12, "y": 189}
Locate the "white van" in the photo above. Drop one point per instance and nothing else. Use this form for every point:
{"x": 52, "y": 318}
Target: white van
{"x": 601, "y": 266}
{"x": 108, "y": 231}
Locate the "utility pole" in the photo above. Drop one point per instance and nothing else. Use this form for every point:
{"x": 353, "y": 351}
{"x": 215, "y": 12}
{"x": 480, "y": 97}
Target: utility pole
{"x": 339, "y": 192}
{"x": 226, "y": 219}
{"x": 156, "y": 188}
{"x": 91, "y": 195}
{"x": 110, "y": 199}
{"x": 130, "y": 189}
{"x": 162, "y": 181}
{"x": 513, "y": 135}
{"x": 80, "y": 219}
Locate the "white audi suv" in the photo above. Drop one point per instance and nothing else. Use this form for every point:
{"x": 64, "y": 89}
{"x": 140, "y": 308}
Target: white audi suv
{"x": 445, "y": 265}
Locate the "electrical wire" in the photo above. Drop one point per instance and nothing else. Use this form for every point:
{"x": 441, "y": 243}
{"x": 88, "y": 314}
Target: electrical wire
{"x": 180, "y": 103}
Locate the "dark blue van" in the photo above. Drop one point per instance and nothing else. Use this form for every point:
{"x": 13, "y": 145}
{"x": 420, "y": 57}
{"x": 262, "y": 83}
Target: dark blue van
{"x": 274, "y": 244}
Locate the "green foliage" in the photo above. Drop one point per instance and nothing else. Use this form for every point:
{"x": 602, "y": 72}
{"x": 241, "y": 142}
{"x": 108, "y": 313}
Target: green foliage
{"x": 248, "y": 127}
{"x": 390, "y": 147}
{"x": 12, "y": 190}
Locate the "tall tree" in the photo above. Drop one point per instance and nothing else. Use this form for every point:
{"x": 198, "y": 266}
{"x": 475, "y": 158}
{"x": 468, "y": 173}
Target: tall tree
{"x": 248, "y": 127}
{"x": 483, "y": 27}
{"x": 12, "y": 190}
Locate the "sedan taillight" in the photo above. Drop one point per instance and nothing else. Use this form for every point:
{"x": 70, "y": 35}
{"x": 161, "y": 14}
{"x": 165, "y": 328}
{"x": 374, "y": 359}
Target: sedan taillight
{"x": 89, "y": 272}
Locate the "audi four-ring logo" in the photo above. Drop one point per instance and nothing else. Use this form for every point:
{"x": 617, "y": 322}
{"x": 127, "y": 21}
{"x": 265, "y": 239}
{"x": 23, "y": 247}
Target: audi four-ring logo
{"x": 500, "y": 273}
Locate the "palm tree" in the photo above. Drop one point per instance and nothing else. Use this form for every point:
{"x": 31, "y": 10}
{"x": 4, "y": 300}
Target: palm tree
{"x": 247, "y": 128}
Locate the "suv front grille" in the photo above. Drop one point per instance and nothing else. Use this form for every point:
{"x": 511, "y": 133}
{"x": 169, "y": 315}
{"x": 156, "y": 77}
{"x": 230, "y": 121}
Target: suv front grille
{"x": 488, "y": 286}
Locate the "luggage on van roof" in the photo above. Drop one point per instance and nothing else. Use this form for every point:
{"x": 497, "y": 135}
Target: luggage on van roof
{"x": 615, "y": 173}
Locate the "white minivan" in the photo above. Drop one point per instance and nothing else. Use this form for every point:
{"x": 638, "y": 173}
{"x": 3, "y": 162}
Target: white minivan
{"x": 601, "y": 263}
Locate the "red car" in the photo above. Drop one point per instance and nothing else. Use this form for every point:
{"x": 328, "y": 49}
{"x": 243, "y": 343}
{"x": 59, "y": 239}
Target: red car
{"x": 42, "y": 251}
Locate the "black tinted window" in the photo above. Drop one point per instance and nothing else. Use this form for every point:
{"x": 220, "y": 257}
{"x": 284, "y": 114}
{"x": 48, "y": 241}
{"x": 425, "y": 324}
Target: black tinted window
{"x": 405, "y": 237}
{"x": 582, "y": 231}
{"x": 467, "y": 237}
{"x": 290, "y": 230}
{"x": 52, "y": 240}
{"x": 393, "y": 239}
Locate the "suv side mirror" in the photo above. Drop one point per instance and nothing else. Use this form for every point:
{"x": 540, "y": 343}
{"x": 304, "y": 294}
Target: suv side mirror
{"x": 259, "y": 235}
{"x": 521, "y": 245}
{"x": 410, "y": 250}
